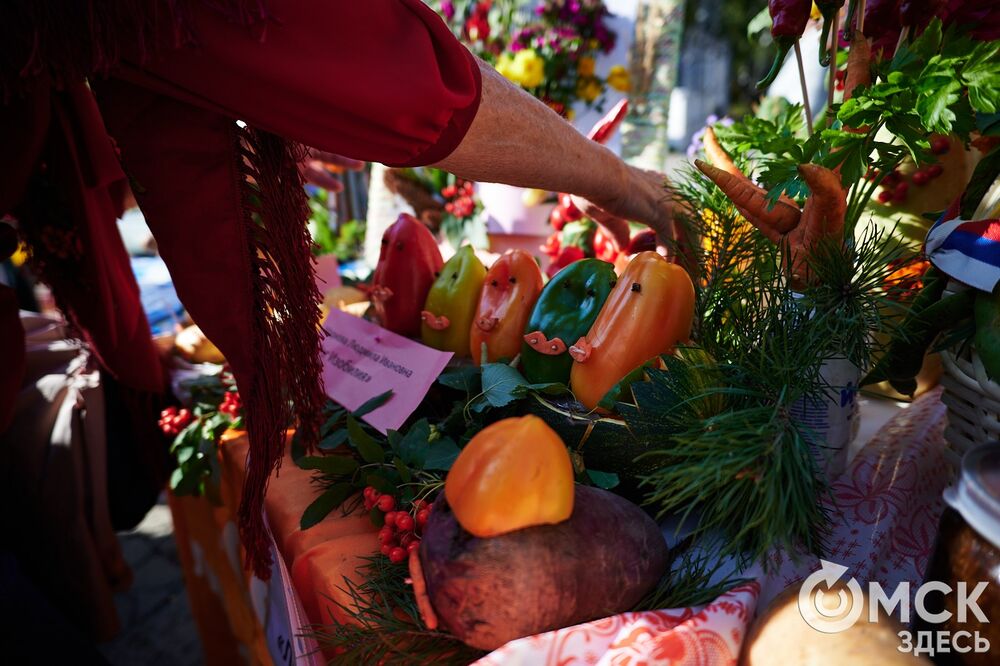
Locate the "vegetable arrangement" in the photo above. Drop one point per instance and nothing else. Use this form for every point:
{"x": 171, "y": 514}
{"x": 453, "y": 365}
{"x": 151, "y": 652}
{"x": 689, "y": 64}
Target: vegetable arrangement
{"x": 682, "y": 391}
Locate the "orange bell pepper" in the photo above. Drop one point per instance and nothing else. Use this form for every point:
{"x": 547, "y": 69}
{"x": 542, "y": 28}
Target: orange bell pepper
{"x": 649, "y": 311}
{"x": 509, "y": 293}
{"x": 514, "y": 474}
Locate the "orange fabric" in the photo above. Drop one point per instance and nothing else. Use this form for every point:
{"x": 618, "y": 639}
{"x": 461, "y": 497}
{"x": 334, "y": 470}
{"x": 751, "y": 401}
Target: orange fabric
{"x": 219, "y": 599}
{"x": 318, "y": 558}
{"x": 319, "y": 573}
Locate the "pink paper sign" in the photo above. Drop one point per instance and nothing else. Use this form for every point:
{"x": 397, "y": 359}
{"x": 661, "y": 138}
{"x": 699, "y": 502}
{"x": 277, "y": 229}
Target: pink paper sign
{"x": 362, "y": 360}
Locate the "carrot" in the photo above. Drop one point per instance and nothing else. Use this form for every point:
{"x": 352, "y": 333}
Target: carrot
{"x": 720, "y": 158}
{"x": 822, "y": 216}
{"x": 751, "y": 201}
{"x": 858, "y": 64}
{"x": 427, "y": 613}
{"x": 718, "y": 154}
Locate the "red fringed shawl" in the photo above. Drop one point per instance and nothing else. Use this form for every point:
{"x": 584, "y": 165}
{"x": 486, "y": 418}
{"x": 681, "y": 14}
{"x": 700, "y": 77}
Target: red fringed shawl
{"x": 373, "y": 80}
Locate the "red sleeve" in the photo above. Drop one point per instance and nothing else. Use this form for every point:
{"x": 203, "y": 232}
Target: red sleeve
{"x": 379, "y": 80}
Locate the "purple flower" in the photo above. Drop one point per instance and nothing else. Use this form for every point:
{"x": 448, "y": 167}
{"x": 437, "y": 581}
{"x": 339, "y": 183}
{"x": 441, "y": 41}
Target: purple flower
{"x": 448, "y": 9}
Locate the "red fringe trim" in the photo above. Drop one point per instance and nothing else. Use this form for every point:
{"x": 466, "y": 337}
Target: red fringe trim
{"x": 286, "y": 340}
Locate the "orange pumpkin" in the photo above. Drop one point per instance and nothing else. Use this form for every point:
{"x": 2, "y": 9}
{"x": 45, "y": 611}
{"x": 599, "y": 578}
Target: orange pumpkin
{"x": 514, "y": 474}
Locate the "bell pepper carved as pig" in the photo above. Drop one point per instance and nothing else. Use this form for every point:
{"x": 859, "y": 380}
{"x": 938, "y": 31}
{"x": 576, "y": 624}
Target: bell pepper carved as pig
{"x": 511, "y": 287}
{"x": 648, "y": 312}
{"x": 451, "y": 303}
{"x": 408, "y": 264}
{"x": 565, "y": 310}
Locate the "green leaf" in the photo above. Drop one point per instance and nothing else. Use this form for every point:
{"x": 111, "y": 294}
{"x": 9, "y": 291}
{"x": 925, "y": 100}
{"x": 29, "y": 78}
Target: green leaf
{"x": 605, "y": 480}
{"x": 502, "y": 384}
{"x": 464, "y": 379}
{"x": 381, "y": 484}
{"x": 333, "y": 440}
{"x": 413, "y": 447}
{"x": 934, "y": 104}
{"x": 441, "y": 455}
{"x": 372, "y": 404}
{"x": 336, "y": 465}
{"x": 982, "y": 76}
{"x": 366, "y": 445}
{"x": 324, "y": 504}
{"x": 184, "y": 454}
{"x": 404, "y": 471}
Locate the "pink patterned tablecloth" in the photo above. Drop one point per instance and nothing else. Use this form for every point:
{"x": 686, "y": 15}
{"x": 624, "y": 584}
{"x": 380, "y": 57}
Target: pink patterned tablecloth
{"x": 886, "y": 508}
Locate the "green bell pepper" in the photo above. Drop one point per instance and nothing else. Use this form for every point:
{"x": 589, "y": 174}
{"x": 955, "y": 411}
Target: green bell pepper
{"x": 565, "y": 311}
{"x": 446, "y": 320}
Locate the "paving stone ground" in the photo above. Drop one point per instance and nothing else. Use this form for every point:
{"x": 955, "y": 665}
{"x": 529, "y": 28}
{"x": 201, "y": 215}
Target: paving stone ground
{"x": 157, "y": 627}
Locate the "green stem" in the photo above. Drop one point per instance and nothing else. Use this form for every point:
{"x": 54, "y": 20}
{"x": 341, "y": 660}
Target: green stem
{"x": 784, "y": 45}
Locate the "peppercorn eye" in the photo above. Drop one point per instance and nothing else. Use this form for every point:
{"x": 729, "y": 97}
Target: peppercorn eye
{"x": 512, "y": 280}
{"x": 385, "y": 241}
{"x": 400, "y": 245}
{"x": 454, "y": 276}
{"x": 613, "y": 283}
{"x": 493, "y": 283}
{"x": 566, "y": 284}
{"x": 636, "y": 287}
{"x": 591, "y": 293}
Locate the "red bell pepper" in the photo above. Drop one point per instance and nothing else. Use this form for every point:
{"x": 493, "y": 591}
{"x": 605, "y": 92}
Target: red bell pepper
{"x": 408, "y": 264}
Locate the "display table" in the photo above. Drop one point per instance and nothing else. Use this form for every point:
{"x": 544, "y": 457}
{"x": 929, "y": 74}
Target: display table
{"x": 884, "y": 522}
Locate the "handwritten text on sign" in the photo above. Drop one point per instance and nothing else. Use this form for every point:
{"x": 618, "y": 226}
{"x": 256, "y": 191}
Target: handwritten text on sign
{"x": 362, "y": 360}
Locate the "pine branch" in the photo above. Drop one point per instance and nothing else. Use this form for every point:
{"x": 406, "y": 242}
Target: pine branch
{"x": 384, "y": 625}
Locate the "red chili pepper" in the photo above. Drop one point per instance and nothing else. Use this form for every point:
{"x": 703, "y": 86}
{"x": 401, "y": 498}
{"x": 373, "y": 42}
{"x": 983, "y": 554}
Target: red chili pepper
{"x": 604, "y": 247}
{"x": 570, "y": 211}
{"x": 918, "y": 13}
{"x": 882, "y": 26}
{"x": 644, "y": 241}
{"x": 606, "y": 126}
{"x": 566, "y": 257}
{"x": 788, "y": 22}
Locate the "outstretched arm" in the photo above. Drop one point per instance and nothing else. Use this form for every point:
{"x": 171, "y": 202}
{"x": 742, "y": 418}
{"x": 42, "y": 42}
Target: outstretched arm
{"x": 518, "y": 140}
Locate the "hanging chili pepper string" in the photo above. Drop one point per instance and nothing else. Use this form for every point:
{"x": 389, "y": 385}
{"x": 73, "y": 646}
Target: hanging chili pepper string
{"x": 806, "y": 109}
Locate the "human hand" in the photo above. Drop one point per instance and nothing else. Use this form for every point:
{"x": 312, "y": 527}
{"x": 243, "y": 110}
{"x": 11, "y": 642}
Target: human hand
{"x": 643, "y": 196}
{"x": 315, "y": 168}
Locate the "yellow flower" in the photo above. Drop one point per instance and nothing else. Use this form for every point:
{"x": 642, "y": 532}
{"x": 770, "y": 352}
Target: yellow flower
{"x": 589, "y": 89}
{"x": 570, "y": 114}
{"x": 528, "y": 69}
{"x": 618, "y": 78}
{"x": 586, "y": 66}
{"x": 505, "y": 65}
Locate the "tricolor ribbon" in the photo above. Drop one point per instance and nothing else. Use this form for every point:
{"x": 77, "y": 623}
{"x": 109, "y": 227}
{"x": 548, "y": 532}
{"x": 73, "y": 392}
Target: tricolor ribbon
{"x": 968, "y": 251}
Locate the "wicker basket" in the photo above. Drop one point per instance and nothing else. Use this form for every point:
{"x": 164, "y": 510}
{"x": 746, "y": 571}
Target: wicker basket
{"x": 973, "y": 402}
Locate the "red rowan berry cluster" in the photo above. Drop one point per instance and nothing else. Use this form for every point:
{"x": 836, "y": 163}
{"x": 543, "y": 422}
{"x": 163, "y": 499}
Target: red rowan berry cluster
{"x": 231, "y": 404}
{"x": 400, "y": 533}
{"x": 458, "y": 199}
{"x": 173, "y": 420}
